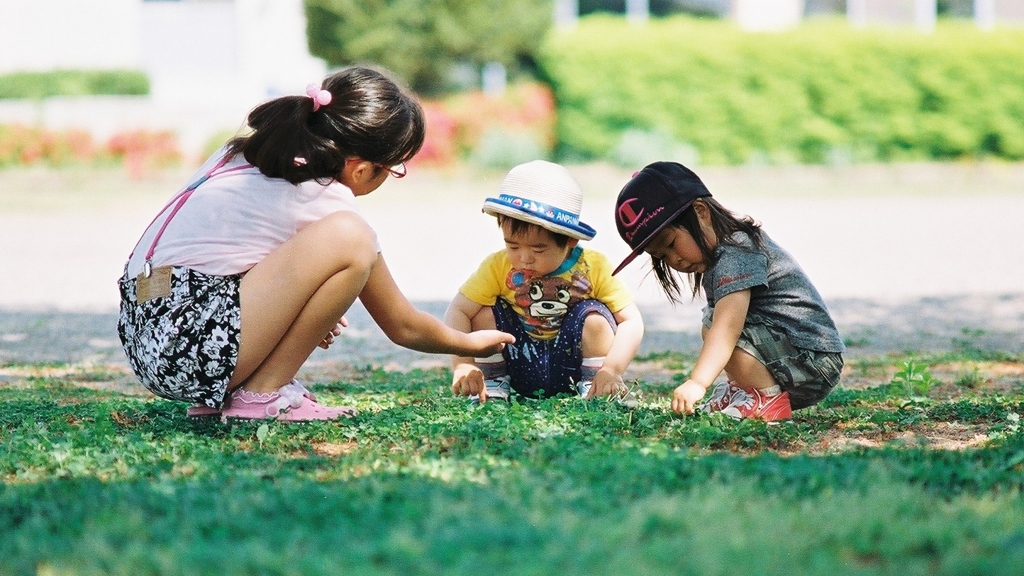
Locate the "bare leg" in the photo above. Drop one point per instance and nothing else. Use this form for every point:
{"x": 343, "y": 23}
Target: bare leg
{"x": 296, "y": 295}
{"x": 597, "y": 336}
{"x": 746, "y": 371}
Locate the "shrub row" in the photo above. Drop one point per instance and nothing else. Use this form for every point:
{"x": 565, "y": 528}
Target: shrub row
{"x": 137, "y": 149}
{"x": 490, "y": 131}
{"x": 823, "y": 92}
{"x": 73, "y": 83}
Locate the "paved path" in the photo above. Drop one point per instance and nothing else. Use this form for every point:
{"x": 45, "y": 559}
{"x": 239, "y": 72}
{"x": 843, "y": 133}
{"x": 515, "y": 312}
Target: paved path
{"x": 870, "y": 327}
{"x": 866, "y": 232}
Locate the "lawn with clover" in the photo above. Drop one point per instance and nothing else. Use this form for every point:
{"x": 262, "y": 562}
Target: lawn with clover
{"x": 915, "y": 465}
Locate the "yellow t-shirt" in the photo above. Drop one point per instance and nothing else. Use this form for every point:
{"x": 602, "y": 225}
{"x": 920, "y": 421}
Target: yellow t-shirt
{"x": 542, "y": 301}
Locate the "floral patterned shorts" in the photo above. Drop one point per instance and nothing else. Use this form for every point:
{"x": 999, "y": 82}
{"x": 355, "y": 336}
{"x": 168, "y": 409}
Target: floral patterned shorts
{"x": 184, "y": 346}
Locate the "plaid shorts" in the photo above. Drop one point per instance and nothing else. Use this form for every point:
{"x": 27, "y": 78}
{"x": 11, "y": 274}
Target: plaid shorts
{"x": 184, "y": 346}
{"x": 808, "y": 375}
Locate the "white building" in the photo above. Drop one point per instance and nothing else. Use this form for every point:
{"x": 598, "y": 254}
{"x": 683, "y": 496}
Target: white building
{"x": 208, "y": 61}
{"x": 767, "y": 15}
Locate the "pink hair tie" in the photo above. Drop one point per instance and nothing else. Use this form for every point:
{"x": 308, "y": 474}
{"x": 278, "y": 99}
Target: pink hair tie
{"x": 320, "y": 97}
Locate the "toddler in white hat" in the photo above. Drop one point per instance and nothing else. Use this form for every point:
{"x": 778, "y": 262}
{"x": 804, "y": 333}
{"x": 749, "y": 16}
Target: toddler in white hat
{"x": 576, "y": 326}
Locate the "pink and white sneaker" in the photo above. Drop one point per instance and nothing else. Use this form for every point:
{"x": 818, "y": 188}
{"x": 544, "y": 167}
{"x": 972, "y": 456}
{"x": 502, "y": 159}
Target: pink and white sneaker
{"x": 202, "y": 410}
{"x": 755, "y": 405}
{"x": 289, "y": 403}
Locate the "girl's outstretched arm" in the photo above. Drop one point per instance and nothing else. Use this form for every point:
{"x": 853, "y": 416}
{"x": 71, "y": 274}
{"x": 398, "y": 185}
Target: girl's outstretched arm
{"x": 719, "y": 343}
{"x": 410, "y": 328}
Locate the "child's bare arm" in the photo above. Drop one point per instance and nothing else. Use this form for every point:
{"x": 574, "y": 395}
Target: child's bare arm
{"x": 460, "y": 313}
{"x": 719, "y": 343}
{"x": 406, "y": 326}
{"x": 467, "y": 379}
{"x": 626, "y": 342}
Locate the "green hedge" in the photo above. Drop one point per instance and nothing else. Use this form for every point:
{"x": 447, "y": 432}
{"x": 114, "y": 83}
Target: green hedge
{"x": 73, "y": 83}
{"x": 819, "y": 93}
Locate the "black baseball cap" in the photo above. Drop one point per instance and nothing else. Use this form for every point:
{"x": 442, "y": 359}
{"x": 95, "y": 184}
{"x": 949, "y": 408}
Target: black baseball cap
{"x": 651, "y": 200}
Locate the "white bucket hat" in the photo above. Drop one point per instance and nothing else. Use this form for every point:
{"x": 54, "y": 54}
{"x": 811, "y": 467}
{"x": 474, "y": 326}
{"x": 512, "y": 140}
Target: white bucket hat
{"x": 545, "y": 194}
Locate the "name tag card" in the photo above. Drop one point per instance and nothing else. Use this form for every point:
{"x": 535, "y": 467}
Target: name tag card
{"x": 156, "y": 285}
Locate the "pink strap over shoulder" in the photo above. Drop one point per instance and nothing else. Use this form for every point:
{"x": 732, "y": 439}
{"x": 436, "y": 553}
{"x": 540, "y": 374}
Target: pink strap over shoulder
{"x": 179, "y": 200}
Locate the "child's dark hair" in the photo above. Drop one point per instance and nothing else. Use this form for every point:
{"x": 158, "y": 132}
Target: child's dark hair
{"x": 370, "y": 116}
{"x": 518, "y": 227}
{"x": 724, "y": 223}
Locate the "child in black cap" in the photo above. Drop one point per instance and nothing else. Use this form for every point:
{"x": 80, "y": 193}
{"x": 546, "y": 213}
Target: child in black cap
{"x": 765, "y": 324}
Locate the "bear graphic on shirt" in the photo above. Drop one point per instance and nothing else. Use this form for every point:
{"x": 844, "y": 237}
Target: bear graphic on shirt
{"x": 546, "y": 299}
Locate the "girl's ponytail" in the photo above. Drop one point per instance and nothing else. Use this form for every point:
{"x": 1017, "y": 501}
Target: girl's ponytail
{"x": 299, "y": 138}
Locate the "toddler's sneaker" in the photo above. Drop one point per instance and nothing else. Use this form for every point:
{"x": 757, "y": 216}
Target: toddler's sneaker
{"x": 583, "y": 387}
{"x": 722, "y": 396}
{"x": 755, "y": 405}
{"x": 497, "y": 389}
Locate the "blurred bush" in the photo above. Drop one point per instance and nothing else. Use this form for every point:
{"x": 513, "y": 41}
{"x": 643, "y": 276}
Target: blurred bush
{"x": 501, "y": 148}
{"x": 138, "y": 150}
{"x": 21, "y": 145}
{"x": 430, "y": 43}
{"x": 73, "y": 83}
{"x": 496, "y": 131}
{"x": 142, "y": 150}
{"x": 820, "y": 93}
{"x": 640, "y": 147}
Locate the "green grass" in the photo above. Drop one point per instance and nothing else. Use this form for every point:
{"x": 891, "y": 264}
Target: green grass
{"x": 98, "y": 482}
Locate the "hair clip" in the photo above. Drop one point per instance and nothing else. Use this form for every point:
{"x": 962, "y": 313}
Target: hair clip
{"x": 320, "y": 97}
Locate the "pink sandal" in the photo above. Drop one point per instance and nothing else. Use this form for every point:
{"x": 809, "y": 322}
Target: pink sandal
{"x": 289, "y": 403}
{"x": 202, "y": 410}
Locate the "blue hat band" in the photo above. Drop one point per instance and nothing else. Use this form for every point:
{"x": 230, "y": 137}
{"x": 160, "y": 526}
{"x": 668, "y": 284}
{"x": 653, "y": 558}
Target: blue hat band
{"x": 556, "y": 215}
{"x": 545, "y": 212}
